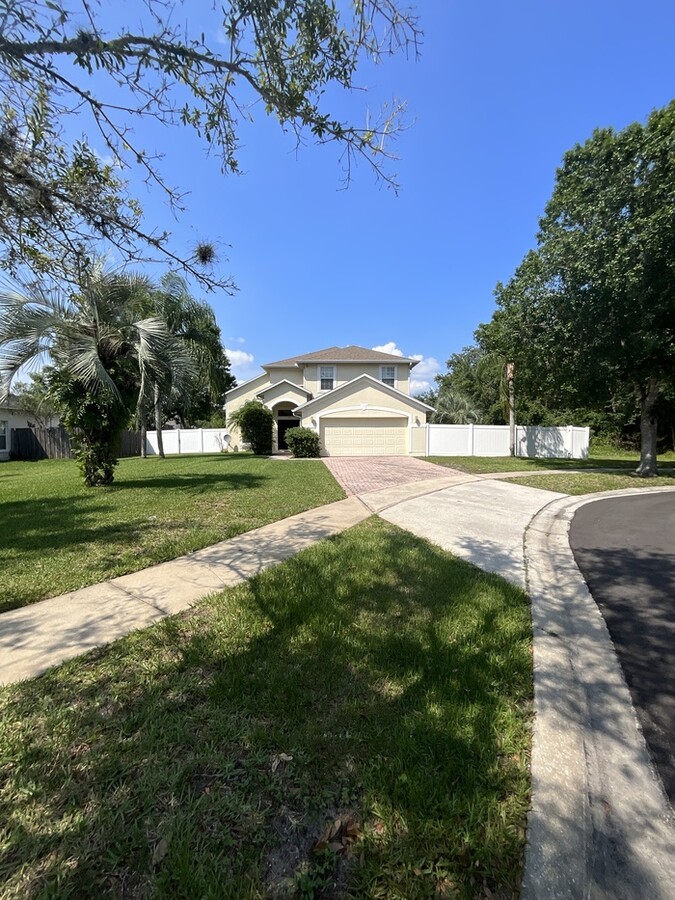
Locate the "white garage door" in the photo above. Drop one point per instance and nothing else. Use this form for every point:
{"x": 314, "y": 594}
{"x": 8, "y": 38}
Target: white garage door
{"x": 365, "y": 437}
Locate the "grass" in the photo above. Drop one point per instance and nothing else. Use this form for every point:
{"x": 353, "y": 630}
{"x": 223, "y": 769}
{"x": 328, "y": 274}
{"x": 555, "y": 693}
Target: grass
{"x": 58, "y": 535}
{"x": 592, "y": 482}
{"x": 373, "y": 685}
{"x": 600, "y": 457}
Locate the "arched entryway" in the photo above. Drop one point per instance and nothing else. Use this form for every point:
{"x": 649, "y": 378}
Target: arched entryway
{"x": 284, "y": 419}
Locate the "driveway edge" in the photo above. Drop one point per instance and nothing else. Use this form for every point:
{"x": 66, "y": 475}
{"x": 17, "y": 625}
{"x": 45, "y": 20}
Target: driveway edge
{"x": 600, "y": 824}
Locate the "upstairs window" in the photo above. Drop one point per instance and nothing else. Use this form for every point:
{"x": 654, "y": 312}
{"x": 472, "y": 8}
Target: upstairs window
{"x": 327, "y": 377}
{"x": 388, "y": 375}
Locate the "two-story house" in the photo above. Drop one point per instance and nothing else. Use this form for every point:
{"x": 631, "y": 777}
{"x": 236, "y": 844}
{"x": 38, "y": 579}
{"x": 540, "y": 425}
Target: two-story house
{"x": 357, "y": 400}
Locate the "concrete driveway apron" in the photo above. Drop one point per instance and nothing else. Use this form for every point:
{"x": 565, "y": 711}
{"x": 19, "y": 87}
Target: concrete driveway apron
{"x": 482, "y": 522}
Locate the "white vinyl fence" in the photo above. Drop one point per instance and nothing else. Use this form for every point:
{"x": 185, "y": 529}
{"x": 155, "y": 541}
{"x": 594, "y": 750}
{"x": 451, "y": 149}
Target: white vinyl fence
{"x": 441, "y": 440}
{"x": 566, "y": 442}
{"x": 189, "y": 440}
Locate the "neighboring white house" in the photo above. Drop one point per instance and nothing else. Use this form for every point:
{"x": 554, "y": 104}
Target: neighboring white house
{"x": 357, "y": 400}
{"x": 12, "y": 416}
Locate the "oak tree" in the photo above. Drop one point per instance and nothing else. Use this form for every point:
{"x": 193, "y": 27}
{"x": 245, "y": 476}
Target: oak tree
{"x": 590, "y": 313}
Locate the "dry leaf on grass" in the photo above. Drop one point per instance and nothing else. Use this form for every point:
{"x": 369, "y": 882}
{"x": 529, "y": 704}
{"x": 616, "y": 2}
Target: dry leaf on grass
{"x": 278, "y": 759}
{"x": 159, "y": 852}
{"x": 338, "y": 836}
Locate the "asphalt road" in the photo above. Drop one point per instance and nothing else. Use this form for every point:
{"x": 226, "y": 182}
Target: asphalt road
{"x": 625, "y": 548}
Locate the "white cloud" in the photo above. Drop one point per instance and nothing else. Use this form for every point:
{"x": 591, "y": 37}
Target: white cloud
{"x": 422, "y": 376}
{"x": 389, "y": 348}
{"x": 242, "y": 363}
{"x": 239, "y": 358}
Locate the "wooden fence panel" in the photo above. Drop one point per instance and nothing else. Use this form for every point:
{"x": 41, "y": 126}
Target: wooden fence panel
{"x": 40, "y": 443}
{"x": 130, "y": 444}
{"x": 54, "y": 443}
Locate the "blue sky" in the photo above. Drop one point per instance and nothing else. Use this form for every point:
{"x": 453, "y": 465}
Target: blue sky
{"x": 500, "y": 92}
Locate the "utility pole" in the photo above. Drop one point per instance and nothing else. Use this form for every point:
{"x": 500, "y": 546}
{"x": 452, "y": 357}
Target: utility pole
{"x": 510, "y": 369}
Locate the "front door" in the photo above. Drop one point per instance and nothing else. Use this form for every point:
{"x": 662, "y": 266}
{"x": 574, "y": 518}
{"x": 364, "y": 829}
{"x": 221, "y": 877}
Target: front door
{"x": 282, "y": 427}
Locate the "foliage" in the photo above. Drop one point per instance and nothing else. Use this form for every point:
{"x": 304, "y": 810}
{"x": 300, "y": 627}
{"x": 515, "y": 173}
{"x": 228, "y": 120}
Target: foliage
{"x": 94, "y": 419}
{"x": 478, "y": 376}
{"x": 197, "y": 388}
{"x": 374, "y": 675}
{"x": 589, "y": 315}
{"x": 54, "y": 198}
{"x": 303, "y": 442}
{"x": 101, "y": 353}
{"x": 255, "y": 421}
{"x": 453, "y": 408}
{"x": 58, "y": 198}
{"x": 215, "y": 420}
{"x": 34, "y": 400}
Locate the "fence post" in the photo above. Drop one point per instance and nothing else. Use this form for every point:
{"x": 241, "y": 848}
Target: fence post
{"x": 569, "y": 440}
{"x": 471, "y": 439}
{"x": 201, "y": 440}
{"x": 427, "y": 439}
{"x": 178, "y": 430}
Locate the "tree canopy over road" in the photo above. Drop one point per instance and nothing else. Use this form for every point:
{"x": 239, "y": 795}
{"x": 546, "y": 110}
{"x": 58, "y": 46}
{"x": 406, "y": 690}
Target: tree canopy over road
{"x": 58, "y": 197}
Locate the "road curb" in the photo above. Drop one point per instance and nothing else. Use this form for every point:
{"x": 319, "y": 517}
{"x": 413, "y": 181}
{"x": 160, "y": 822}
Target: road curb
{"x": 600, "y": 825}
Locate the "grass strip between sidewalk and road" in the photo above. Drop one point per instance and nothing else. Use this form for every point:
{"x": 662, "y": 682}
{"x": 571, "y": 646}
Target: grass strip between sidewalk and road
{"x": 352, "y": 723}
{"x": 601, "y": 457}
{"x": 592, "y": 482}
{"x": 59, "y": 535}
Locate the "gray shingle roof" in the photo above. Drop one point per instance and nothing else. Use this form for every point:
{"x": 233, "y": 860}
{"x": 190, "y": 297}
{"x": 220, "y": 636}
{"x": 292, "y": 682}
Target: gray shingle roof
{"x": 341, "y": 354}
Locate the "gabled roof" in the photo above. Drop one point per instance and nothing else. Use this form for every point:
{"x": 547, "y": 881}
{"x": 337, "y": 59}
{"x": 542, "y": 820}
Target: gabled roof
{"x": 367, "y": 378}
{"x": 246, "y": 384}
{"x": 342, "y": 355}
{"x": 297, "y": 387}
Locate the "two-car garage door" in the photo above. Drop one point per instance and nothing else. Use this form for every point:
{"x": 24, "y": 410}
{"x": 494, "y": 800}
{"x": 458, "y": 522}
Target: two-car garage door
{"x": 365, "y": 437}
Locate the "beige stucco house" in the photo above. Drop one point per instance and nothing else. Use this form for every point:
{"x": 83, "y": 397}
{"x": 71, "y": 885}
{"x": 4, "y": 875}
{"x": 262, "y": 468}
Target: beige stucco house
{"x": 357, "y": 400}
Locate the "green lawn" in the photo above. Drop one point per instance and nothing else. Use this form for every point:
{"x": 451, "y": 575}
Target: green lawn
{"x": 591, "y": 482}
{"x": 601, "y": 457}
{"x": 374, "y": 691}
{"x": 58, "y": 535}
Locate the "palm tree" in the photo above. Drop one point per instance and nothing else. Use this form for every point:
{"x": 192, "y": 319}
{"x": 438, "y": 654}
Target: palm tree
{"x": 100, "y": 350}
{"x": 199, "y": 363}
{"x": 453, "y": 408}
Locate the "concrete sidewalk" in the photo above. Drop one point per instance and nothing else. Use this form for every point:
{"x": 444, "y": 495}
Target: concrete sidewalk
{"x": 600, "y": 824}
{"x": 36, "y": 637}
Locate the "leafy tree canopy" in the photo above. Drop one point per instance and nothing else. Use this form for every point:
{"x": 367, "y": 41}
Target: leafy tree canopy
{"x": 102, "y": 348}
{"x": 35, "y": 401}
{"x": 590, "y": 314}
{"x": 57, "y": 60}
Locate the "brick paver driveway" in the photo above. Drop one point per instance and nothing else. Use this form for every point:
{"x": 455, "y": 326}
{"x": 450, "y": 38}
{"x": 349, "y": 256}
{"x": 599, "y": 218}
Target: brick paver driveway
{"x": 361, "y": 474}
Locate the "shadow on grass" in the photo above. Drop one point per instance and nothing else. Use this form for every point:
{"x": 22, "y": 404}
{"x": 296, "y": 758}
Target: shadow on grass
{"x": 48, "y": 523}
{"x": 97, "y": 519}
{"x": 394, "y": 679}
{"x": 231, "y": 480}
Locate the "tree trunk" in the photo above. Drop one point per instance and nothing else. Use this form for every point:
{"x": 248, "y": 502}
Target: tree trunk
{"x": 648, "y": 395}
{"x": 158, "y": 421}
{"x": 141, "y": 424}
